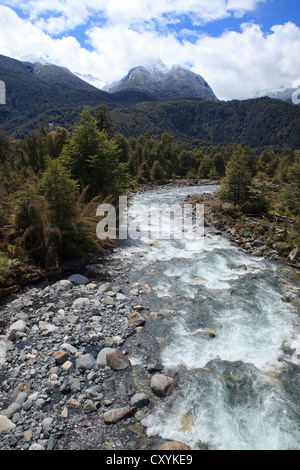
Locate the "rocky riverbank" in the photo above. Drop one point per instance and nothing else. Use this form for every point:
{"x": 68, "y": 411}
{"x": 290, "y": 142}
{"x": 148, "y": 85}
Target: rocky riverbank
{"x": 260, "y": 236}
{"x": 69, "y": 379}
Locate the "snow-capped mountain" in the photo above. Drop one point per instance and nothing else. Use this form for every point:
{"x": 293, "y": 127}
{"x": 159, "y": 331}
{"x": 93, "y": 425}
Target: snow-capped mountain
{"x": 160, "y": 83}
{"x": 94, "y": 81}
{"x": 290, "y": 95}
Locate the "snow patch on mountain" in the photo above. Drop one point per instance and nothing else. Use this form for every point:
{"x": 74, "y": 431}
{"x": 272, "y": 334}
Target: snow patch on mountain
{"x": 161, "y": 83}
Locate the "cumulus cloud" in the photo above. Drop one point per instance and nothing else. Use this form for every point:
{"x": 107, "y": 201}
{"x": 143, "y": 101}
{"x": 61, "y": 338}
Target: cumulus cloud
{"x": 58, "y": 16}
{"x": 121, "y": 35}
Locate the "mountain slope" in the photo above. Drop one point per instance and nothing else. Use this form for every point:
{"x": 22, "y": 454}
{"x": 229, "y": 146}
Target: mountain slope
{"x": 258, "y": 122}
{"x": 37, "y": 93}
{"x": 159, "y": 83}
{"x": 41, "y": 94}
{"x": 290, "y": 95}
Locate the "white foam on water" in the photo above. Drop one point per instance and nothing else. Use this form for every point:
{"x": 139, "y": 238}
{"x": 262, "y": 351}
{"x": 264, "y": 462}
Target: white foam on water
{"x": 240, "y": 299}
{"x": 208, "y": 416}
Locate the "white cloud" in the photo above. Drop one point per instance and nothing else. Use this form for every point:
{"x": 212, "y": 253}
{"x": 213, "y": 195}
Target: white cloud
{"x": 55, "y": 16}
{"x": 236, "y": 64}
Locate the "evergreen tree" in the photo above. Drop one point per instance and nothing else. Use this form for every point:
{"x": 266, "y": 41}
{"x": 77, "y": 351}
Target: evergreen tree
{"x": 236, "y": 185}
{"x": 104, "y": 122}
{"x": 158, "y": 174}
{"x": 60, "y": 193}
{"x": 81, "y": 147}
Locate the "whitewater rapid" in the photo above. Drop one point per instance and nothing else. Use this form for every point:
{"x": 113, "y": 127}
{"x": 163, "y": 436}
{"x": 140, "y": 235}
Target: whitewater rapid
{"x": 239, "y": 390}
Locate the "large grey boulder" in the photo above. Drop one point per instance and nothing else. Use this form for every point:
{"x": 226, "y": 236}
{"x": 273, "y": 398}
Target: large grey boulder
{"x": 86, "y": 362}
{"x": 117, "y": 360}
{"x": 78, "y": 280}
{"x": 163, "y": 386}
{"x": 101, "y": 358}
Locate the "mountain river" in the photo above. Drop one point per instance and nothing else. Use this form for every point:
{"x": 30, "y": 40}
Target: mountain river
{"x": 239, "y": 390}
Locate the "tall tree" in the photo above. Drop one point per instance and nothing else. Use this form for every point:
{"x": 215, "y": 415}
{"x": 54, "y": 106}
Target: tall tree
{"x": 236, "y": 185}
{"x": 60, "y": 193}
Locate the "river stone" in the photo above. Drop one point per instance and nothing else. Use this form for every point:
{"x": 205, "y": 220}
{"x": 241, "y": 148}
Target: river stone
{"x": 136, "y": 319}
{"x": 78, "y": 280}
{"x": 116, "y": 415}
{"x": 163, "y": 386}
{"x": 101, "y": 358}
{"x": 11, "y": 410}
{"x": 117, "y": 360}
{"x": 63, "y": 285}
{"x": 104, "y": 288}
{"x": 81, "y": 302}
{"x": 295, "y": 254}
{"x": 36, "y": 447}
{"x": 282, "y": 248}
{"x": 47, "y": 424}
{"x": 85, "y": 362}
{"x": 6, "y": 424}
{"x": 173, "y": 445}
{"x": 89, "y": 407}
{"x": 139, "y": 400}
{"x": 19, "y": 326}
{"x": 60, "y": 357}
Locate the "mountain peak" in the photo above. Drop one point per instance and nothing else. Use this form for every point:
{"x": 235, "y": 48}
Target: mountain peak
{"x": 156, "y": 66}
{"x": 158, "y": 82}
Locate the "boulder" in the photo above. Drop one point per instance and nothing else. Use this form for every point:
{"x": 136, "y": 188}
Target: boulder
{"x": 60, "y": 357}
{"x": 104, "y": 288}
{"x": 11, "y": 410}
{"x": 63, "y": 285}
{"x": 18, "y": 326}
{"x": 81, "y": 302}
{"x": 101, "y": 358}
{"x": 139, "y": 400}
{"x": 89, "y": 407}
{"x": 136, "y": 319}
{"x": 282, "y": 248}
{"x": 117, "y": 414}
{"x": 173, "y": 445}
{"x": 78, "y": 280}
{"x": 163, "y": 386}
{"x": 86, "y": 362}
{"x": 6, "y": 424}
{"x": 117, "y": 360}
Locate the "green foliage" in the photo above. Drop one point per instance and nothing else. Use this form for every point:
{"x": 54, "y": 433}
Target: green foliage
{"x": 291, "y": 190}
{"x": 237, "y": 182}
{"x": 245, "y": 233}
{"x": 60, "y": 193}
{"x": 93, "y": 159}
{"x": 258, "y": 123}
{"x": 158, "y": 175}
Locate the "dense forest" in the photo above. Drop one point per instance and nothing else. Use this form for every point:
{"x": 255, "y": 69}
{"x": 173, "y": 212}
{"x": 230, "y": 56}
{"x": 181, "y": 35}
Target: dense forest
{"x": 53, "y": 181}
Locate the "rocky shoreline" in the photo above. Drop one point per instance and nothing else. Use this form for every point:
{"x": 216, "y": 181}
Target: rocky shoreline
{"x": 252, "y": 234}
{"x": 69, "y": 379}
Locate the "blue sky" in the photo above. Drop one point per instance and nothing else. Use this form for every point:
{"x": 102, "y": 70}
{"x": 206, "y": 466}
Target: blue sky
{"x": 241, "y": 47}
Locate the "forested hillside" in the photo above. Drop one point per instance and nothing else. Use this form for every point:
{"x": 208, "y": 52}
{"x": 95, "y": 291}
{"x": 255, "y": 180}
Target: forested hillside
{"x": 259, "y": 123}
{"x": 49, "y": 96}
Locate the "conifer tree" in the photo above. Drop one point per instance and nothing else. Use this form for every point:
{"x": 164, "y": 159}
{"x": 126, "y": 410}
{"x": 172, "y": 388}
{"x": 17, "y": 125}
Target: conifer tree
{"x": 236, "y": 185}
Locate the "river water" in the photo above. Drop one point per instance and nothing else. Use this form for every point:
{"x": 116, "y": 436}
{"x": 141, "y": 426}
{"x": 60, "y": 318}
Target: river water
{"x": 241, "y": 389}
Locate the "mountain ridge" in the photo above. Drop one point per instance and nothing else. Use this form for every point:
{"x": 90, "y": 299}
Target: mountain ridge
{"x": 163, "y": 84}
{"x": 43, "y": 94}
